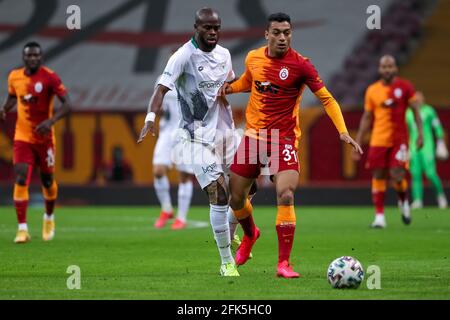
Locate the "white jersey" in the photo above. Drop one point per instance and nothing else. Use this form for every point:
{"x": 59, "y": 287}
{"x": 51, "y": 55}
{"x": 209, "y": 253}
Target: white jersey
{"x": 197, "y": 76}
{"x": 170, "y": 118}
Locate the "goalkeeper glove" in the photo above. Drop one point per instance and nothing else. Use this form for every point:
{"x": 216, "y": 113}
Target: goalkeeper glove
{"x": 441, "y": 150}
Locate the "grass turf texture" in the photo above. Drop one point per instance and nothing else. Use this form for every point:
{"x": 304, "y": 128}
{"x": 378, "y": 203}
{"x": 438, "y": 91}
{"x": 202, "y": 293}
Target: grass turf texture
{"x": 122, "y": 256}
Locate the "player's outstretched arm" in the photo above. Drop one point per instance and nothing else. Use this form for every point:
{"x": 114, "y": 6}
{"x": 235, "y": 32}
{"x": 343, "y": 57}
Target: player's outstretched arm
{"x": 10, "y": 102}
{"x": 364, "y": 127}
{"x": 154, "y": 108}
{"x": 441, "y": 148}
{"x": 333, "y": 110}
{"x": 415, "y": 105}
{"x": 347, "y": 139}
{"x": 45, "y": 126}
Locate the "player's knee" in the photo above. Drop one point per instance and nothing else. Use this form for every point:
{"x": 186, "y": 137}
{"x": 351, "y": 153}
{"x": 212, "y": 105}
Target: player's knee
{"x": 21, "y": 174}
{"x": 286, "y": 197}
{"x": 47, "y": 182}
{"x": 159, "y": 172}
{"x": 237, "y": 202}
{"x": 21, "y": 179}
{"x": 397, "y": 175}
{"x": 217, "y": 192}
{"x": 430, "y": 173}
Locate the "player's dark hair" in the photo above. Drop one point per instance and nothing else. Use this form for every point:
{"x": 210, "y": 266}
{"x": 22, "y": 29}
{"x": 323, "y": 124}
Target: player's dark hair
{"x": 204, "y": 11}
{"x": 278, "y": 17}
{"x": 32, "y": 44}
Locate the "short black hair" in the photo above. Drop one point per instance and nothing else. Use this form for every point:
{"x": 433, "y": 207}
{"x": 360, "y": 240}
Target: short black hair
{"x": 204, "y": 11}
{"x": 32, "y": 44}
{"x": 278, "y": 17}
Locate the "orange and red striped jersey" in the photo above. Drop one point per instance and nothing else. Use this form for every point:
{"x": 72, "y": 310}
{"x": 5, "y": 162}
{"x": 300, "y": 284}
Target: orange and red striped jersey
{"x": 276, "y": 86}
{"x": 389, "y": 104}
{"x": 35, "y": 95}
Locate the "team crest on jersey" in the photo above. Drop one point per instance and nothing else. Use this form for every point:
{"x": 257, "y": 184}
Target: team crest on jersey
{"x": 38, "y": 87}
{"x": 398, "y": 93}
{"x": 284, "y": 73}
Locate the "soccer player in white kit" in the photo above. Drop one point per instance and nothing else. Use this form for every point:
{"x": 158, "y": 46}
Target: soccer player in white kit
{"x": 163, "y": 159}
{"x": 196, "y": 71}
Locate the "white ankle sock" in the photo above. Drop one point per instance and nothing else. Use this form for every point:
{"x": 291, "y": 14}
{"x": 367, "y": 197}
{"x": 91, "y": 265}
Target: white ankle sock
{"x": 219, "y": 223}
{"x": 162, "y": 188}
{"x": 49, "y": 217}
{"x": 184, "y": 199}
{"x": 23, "y": 226}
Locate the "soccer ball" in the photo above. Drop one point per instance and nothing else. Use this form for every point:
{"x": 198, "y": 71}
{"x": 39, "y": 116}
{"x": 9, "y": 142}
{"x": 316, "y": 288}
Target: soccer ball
{"x": 345, "y": 272}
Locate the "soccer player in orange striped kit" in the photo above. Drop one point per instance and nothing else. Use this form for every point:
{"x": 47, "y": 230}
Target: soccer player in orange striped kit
{"x": 385, "y": 104}
{"x": 276, "y": 76}
{"x": 33, "y": 88}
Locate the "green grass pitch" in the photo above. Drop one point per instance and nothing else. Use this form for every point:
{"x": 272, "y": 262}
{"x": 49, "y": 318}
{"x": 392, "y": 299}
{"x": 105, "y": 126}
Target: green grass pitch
{"x": 121, "y": 256}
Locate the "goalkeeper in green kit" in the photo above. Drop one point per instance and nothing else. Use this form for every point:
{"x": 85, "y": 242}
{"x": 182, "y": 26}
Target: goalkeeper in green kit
{"x": 424, "y": 161}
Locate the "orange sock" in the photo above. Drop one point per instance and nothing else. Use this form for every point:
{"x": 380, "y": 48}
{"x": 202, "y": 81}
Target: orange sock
{"x": 50, "y": 195}
{"x": 245, "y": 218}
{"x": 378, "y": 192}
{"x": 401, "y": 187}
{"x": 285, "y": 226}
{"x": 21, "y": 198}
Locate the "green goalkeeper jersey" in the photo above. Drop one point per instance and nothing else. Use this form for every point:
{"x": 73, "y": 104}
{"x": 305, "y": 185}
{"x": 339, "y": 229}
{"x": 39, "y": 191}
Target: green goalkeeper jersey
{"x": 430, "y": 123}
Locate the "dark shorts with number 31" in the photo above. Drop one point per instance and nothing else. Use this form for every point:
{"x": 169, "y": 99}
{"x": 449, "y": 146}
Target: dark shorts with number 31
{"x": 255, "y": 157}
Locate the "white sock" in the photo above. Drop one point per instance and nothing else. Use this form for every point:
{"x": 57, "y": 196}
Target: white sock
{"x": 162, "y": 188}
{"x": 184, "y": 199}
{"x": 218, "y": 216}
{"x": 23, "y": 226}
{"x": 49, "y": 217}
{"x": 232, "y": 222}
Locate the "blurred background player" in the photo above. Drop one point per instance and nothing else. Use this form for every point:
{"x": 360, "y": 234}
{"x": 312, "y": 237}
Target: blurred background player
{"x": 276, "y": 76}
{"x": 385, "y": 104}
{"x": 196, "y": 72}
{"x": 423, "y": 161}
{"x": 119, "y": 169}
{"x": 33, "y": 88}
{"x": 162, "y": 161}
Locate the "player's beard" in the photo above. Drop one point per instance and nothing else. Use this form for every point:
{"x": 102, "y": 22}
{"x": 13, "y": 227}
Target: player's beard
{"x": 208, "y": 45}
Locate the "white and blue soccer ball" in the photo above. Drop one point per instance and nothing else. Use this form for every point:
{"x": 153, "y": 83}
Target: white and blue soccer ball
{"x": 345, "y": 272}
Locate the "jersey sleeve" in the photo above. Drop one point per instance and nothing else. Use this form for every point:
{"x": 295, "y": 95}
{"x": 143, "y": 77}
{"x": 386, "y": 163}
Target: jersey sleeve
{"x": 11, "y": 89}
{"x": 174, "y": 68}
{"x": 244, "y": 83}
{"x": 58, "y": 87}
{"x": 312, "y": 78}
{"x": 436, "y": 124}
{"x": 332, "y": 109}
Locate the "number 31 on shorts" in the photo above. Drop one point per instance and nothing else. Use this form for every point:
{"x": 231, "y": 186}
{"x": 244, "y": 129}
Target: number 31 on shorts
{"x": 289, "y": 153}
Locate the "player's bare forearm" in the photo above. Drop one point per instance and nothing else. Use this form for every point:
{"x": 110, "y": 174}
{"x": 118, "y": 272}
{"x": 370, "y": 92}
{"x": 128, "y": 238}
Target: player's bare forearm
{"x": 154, "y": 107}
{"x": 347, "y": 139}
{"x": 157, "y": 98}
{"x": 46, "y": 126}
{"x": 416, "y": 110}
{"x": 364, "y": 126}
{"x": 64, "y": 109}
{"x": 10, "y": 102}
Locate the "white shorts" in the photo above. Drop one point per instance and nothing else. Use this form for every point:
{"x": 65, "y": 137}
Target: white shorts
{"x": 165, "y": 152}
{"x": 208, "y": 162}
